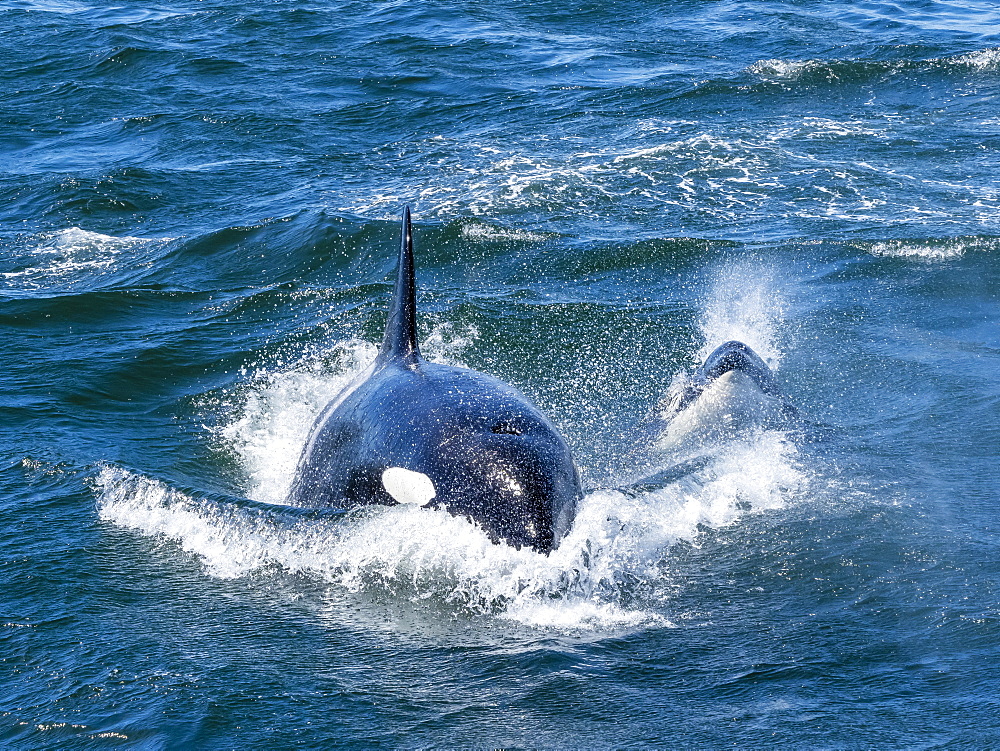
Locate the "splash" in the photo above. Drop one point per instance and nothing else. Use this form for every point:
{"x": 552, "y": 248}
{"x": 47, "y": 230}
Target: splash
{"x": 590, "y": 582}
{"x": 744, "y": 302}
{"x": 276, "y": 409}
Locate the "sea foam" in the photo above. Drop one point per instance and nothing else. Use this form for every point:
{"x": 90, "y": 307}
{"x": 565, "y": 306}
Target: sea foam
{"x": 616, "y": 544}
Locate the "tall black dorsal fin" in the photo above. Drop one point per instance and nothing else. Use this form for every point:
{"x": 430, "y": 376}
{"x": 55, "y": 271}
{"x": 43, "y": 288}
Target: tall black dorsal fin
{"x": 400, "y": 341}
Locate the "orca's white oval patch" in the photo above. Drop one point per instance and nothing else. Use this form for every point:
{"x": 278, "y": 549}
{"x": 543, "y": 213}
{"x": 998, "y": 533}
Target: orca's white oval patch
{"x": 407, "y": 486}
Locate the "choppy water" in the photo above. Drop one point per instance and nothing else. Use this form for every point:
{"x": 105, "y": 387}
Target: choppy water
{"x": 198, "y": 208}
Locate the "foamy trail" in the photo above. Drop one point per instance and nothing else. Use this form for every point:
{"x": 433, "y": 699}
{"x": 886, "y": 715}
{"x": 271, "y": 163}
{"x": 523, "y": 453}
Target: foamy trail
{"x": 427, "y": 554}
{"x": 615, "y": 544}
{"x": 421, "y": 554}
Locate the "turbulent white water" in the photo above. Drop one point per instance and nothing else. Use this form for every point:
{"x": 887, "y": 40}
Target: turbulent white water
{"x": 416, "y": 553}
{"x": 271, "y": 418}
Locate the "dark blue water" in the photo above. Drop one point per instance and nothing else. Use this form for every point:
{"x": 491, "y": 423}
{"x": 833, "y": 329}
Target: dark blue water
{"x": 198, "y": 207}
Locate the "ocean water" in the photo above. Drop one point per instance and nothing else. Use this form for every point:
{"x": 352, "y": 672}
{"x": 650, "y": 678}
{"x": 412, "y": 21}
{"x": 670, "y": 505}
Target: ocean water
{"x": 199, "y": 210}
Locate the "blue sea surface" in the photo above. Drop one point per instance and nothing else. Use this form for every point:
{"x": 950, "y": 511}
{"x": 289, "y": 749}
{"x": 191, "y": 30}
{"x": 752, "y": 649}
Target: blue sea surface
{"x": 199, "y": 209}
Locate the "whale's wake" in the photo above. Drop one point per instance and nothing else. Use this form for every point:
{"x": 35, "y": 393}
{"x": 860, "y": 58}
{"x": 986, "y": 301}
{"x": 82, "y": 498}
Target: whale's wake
{"x": 606, "y": 573}
{"x": 618, "y": 538}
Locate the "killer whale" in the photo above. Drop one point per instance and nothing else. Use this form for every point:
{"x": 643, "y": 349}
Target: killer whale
{"x": 411, "y": 431}
{"x": 732, "y": 390}
{"x": 731, "y": 356}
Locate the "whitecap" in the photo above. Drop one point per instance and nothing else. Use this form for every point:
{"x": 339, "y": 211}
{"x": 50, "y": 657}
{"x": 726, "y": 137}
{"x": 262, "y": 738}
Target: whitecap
{"x": 987, "y": 59}
{"x": 490, "y": 233}
{"x": 929, "y": 251}
{"x": 70, "y": 257}
{"x": 787, "y": 69}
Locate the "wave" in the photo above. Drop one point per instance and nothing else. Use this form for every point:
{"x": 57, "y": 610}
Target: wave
{"x": 842, "y": 71}
{"x": 72, "y": 260}
{"x": 269, "y": 418}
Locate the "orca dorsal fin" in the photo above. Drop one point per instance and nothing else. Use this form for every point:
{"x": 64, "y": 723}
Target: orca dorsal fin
{"x": 400, "y": 341}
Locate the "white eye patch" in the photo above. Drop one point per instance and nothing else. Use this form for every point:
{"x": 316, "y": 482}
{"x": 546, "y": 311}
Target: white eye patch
{"x": 407, "y": 486}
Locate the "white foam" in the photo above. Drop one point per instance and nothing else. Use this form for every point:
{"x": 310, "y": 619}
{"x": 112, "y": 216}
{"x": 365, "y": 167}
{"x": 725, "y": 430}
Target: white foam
{"x": 827, "y": 128}
{"x": 725, "y": 175}
{"x": 787, "y": 69}
{"x": 270, "y": 418}
{"x": 427, "y": 553}
{"x": 939, "y": 251}
{"x": 230, "y": 541}
{"x": 478, "y": 179}
{"x": 987, "y": 59}
{"x": 71, "y": 256}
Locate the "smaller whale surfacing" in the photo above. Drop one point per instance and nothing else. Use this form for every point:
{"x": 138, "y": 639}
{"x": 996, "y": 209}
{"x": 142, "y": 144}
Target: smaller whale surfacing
{"x": 733, "y": 390}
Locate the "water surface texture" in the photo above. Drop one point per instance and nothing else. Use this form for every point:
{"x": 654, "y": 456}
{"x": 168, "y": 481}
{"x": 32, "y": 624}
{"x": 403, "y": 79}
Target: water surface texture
{"x": 198, "y": 219}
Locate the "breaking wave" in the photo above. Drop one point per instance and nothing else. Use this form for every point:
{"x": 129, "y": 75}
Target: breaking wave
{"x": 985, "y": 60}
{"x": 941, "y": 250}
{"x": 70, "y": 259}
